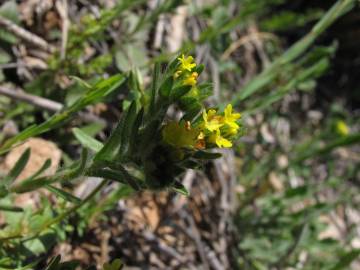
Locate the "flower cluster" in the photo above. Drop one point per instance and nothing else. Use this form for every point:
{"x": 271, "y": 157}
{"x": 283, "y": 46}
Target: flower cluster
{"x": 219, "y": 129}
{"x": 186, "y": 71}
{"x": 210, "y": 128}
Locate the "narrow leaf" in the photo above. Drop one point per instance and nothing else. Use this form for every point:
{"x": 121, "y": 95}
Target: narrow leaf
{"x": 43, "y": 168}
{"x": 87, "y": 141}
{"x": 81, "y": 82}
{"x": 135, "y": 131}
{"x": 166, "y": 86}
{"x": 96, "y": 93}
{"x": 10, "y": 208}
{"x": 180, "y": 188}
{"x": 54, "y": 263}
{"x": 63, "y": 194}
{"x": 129, "y": 179}
{"x": 112, "y": 145}
{"x": 127, "y": 128}
{"x": 206, "y": 155}
{"x": 154, "y": 85}
{"x": 19, "y": 167}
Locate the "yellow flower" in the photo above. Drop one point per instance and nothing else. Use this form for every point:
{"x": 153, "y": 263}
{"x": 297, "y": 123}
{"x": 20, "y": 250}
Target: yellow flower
{"x": 212, "y": 121}
{"x": 342, "y": 128}
{"x": 191, "y": 79}
{"x": 186, "y": 63}
{"x": 219, "y": 140}
{"x": 230, "y": 117}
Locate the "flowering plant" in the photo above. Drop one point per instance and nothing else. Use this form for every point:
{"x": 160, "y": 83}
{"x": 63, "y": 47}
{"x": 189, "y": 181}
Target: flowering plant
{"x": 147, "y": 149}
{"x": 182, "y": 143}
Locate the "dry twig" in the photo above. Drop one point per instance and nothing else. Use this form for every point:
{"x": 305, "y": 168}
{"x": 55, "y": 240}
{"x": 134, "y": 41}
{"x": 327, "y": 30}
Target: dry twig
{"x": 26, "y": 35}
{"x": 62, "y": 8}
{"x": 45, "y": 103}
{"x": 34, "y": 100}
{"x": 244, "y": 40}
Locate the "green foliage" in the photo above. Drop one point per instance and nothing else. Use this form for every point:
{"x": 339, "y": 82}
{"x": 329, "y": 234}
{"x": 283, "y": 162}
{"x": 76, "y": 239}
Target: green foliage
{"x": 97, "y": 92}
{"x": 9, "y": 10}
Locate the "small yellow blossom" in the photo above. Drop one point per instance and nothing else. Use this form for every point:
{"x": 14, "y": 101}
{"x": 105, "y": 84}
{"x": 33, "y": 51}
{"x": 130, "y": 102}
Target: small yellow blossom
{"x": 212, "y": 121}
{"x": 191, "y": 79}
{"x": 219, "y": 140}
{"x": 342, "y": 128}
{"x": 186, "y": 63}
{"x": 230, "y": 117}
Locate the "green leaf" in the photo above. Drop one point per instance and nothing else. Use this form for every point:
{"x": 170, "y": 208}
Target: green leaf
{"x": 300, "y": 76}
{"x": 93, "y": 128}
{"x": 81, "y": 82}
{"x": 206, "y": 155}
{"x": 193, "y": 112}
{"x": 112, "y": 145}
{"x": 3, "y": 191}
{"x": 98, "y": 91}
{"x": 180, "y": 188}
{"x": 131, "y": 116}
{"x": 80, "y": 168}
{"x": 18, "y": 167}
{"x": 4, "y": 57}
{"x": 43, "y": 168}
{"x": 135, "y": 80}
{"x": 166, "y": 87}
{"x": 135, "y": 131}
{"x": 323, "y": 150}
{"x": 186, "y": 103}
{"x": 87, "y": 141}
{"x": 199, "y": 68}
{"x": 119, "y": 174}
{"x": 65, "y": 175}
{"x": 9, "y": 10}
{"x": 130, "y": 180}
{"x": 180, "y": 91}
{"x": 205, "y": 90}
{"x": 115, "y": 265}
{"x": 296, "y": 50}
{"x": 63, "y": 194}
{"x": 10, "y": 208}
{"x": 130, "y": 56}
{"x": 54, "y": 263}
{"x": 154, "y": 87}
{"x": 346, "y": 260}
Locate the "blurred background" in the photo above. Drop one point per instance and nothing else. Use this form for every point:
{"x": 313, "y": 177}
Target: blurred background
{"x": 285, "y": 197}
